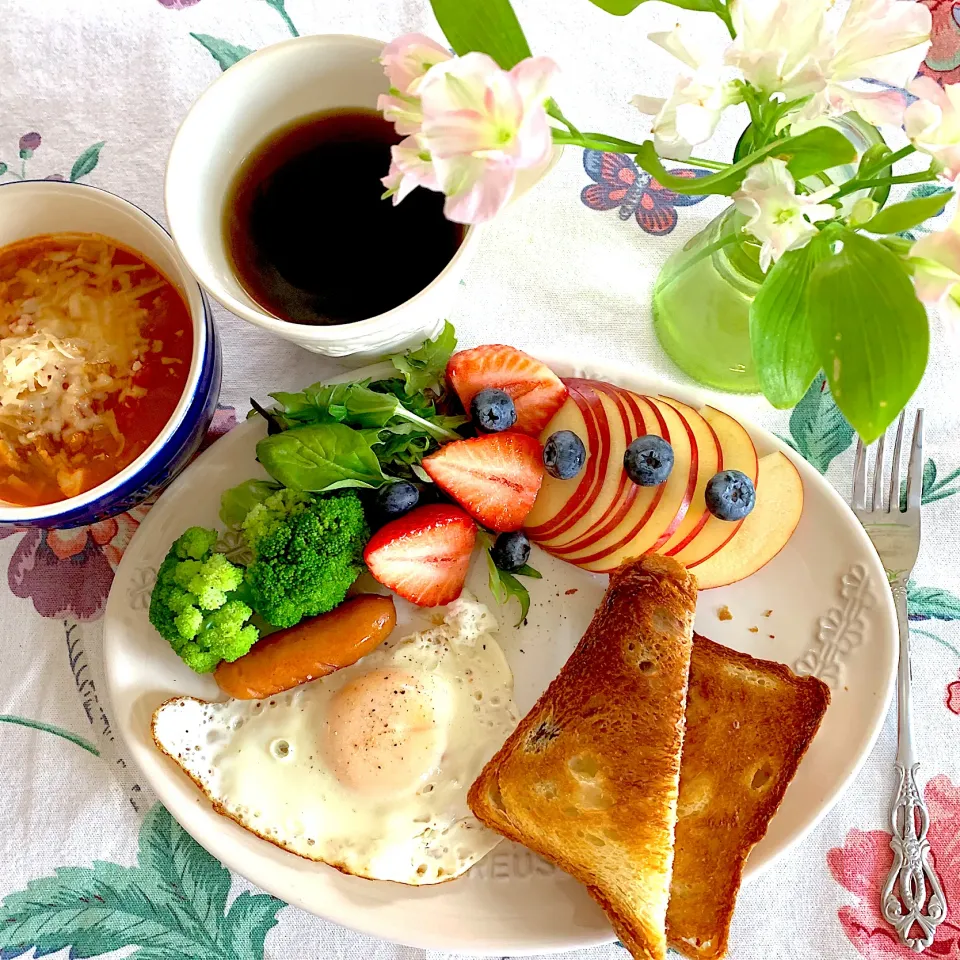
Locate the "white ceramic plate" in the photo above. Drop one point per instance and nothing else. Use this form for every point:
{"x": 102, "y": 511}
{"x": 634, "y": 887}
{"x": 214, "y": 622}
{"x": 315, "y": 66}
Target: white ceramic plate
{"x": 832, "y": 616}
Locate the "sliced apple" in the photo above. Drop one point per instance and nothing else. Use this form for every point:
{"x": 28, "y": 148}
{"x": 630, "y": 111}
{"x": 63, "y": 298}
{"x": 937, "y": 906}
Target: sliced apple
{"x": 637, "y": 534}
{"x": 559, "y": 500}
{"x": 624, "y": 421}
{"x": 708, "y": 463}
{"x": 766, "y": 529}
{"x": 737, "y": 453}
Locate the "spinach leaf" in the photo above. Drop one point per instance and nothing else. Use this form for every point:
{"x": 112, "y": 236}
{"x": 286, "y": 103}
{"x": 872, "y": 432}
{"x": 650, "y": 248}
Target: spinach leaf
{"x": 320, "y": 456}
{"x": 425, "y": 366}
{"x": 238, "y": 501}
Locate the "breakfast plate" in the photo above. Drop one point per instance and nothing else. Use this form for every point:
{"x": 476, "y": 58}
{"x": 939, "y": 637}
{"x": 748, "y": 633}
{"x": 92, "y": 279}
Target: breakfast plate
{"x": 820, "y": 606}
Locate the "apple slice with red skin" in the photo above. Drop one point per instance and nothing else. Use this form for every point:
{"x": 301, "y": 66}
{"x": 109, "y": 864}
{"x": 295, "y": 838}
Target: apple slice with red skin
{"x": 636, "y": 535}
{"x": 624, "y": 421}
{"x": 710, "y": 461}
{"x": 739, "y": 453}
{"x": 560, "y": 502}
{"x": 765, "y": 530}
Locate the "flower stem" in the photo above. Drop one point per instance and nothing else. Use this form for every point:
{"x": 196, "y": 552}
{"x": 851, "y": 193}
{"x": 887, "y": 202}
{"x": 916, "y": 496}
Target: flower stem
{"x": 707, "y": 251}
{"x": 608, "y": 144}
{"x": 889, "y": 160}
{"x": 724, "y": 14}
{"x": 708, "y": 164}
{"x": 851, "y": 186}
{"x": 553, "y": 108}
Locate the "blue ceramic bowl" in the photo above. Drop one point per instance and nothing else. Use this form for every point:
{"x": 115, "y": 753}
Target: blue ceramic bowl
{"x": 32, "y": 207}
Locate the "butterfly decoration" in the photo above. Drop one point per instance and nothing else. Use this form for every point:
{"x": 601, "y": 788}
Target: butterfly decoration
{"x": 619, "y": 182}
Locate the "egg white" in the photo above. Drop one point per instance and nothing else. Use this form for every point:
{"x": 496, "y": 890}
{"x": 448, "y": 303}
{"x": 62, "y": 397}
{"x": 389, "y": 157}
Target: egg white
{"x": 367, "y": 769}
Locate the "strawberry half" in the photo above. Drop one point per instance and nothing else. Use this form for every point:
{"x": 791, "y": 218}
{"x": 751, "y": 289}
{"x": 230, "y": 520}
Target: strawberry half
{"x": 495, "y": 478}
{"x": 536, "y": 391}
{"x": 424, "y": 555}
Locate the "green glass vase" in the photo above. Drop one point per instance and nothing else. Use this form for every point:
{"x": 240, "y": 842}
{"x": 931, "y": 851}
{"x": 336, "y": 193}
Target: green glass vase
{"x": 703, "y": 293}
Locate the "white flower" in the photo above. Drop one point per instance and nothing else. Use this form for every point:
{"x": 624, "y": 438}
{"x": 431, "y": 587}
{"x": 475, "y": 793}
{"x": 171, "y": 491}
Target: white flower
{"x": 410, "y": 166}
{"x": 690, "y": 114}
{"x": 780, "y": 219}
{"x": 932, "y": 122}
{"x": 781, "y": 45}
{"x": 936, "y": 269}
{"x": 481, "y": 126}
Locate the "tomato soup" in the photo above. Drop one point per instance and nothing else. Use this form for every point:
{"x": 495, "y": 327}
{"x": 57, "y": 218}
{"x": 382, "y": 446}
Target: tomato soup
{"x": 95, "y": 351}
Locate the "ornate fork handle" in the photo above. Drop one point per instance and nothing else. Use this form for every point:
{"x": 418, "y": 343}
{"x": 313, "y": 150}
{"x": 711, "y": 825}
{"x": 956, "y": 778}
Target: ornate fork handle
{"x": 912, "y": 895}
{"x": 905, "y": 901}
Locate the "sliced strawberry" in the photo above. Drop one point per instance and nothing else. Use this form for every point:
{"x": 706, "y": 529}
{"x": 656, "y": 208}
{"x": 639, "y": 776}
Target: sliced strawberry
{"x": 535, "y": 389}
{"x": 495, "y": 478}
{"x": 424, "y": 555}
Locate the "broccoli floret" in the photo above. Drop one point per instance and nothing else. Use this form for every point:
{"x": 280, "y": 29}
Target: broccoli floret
{"x": 194, "y": 607}
{"x": 307, "y": 552}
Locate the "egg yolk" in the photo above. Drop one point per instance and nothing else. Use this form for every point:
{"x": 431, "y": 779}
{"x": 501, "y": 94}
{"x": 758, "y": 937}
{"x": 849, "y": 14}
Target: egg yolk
{"x": 382, "y": 735}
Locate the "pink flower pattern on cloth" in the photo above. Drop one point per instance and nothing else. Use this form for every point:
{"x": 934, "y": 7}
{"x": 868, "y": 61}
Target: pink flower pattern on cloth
{"x": 861, "y": 866}
{"x": 68, "y": 573}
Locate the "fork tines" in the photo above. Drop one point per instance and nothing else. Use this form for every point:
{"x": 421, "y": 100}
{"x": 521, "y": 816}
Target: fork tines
{"x": 914, "y": 472}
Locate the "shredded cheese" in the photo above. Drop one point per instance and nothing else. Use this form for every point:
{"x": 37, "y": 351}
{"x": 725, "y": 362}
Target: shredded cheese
{"x": 70, "y": 340}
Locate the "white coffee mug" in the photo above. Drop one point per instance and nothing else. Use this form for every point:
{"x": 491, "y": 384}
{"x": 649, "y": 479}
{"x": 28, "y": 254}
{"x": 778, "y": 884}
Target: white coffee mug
{"x": 257, "y": 96}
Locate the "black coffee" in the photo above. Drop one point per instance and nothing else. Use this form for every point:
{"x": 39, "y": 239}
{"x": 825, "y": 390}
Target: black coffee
{"x": 308, "y": 234}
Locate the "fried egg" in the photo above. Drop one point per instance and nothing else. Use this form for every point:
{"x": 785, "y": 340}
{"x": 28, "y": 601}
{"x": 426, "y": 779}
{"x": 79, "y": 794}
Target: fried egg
{"x": 367, "y": 769}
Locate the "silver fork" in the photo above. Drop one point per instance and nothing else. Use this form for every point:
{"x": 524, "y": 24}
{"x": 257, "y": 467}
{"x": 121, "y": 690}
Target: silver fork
{"x": 912, "y": 895}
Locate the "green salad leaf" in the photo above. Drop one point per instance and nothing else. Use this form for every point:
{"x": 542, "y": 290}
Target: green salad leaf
{"x": 424, "y": 367}
{"x": 320, "y": 456}
{"x": 505, "y": 585}
{"x": 238, "y": 501}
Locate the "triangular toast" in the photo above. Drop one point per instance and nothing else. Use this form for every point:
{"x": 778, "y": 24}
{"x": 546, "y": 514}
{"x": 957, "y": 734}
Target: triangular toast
{"x": 749, "y": 723}
{"x": 589, "y": 780}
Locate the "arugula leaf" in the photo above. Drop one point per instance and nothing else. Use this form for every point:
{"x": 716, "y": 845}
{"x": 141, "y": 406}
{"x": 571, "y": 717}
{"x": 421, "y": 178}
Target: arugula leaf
{"x": 238, "y": 501}
{"x": 505, "y": 585}
{"x": 425, "y": 366}
{"x": 320, "y": 456}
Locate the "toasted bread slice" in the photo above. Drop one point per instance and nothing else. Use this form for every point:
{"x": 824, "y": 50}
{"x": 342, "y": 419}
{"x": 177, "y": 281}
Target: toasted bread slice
{"x": 749, "y": 723}
{"x": 590, "y": 778}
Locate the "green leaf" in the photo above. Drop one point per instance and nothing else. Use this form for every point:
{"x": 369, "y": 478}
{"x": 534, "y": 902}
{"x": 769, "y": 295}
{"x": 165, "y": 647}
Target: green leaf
{"x": 870, "y": 331}
{"x": 931, "y": 603}
{"x": 186, "y": 870}
{"x": 489, "y": 26}
{"x": 909, "y": 213}
{"x": 238, "y": 501}
{"x": 321, "y": 456}
{"x": 780, "y": 337}
{"x": 811, "y": 152}
{"x": 226, "y": 54}
{"x": 171, "y": 904}
{"x": 818, "y": 430}
{"x": 250, "y": 918}
{"x": 620, "y": 8}
{"x": 87, "y": 161}
{"x": 425, "y": 366}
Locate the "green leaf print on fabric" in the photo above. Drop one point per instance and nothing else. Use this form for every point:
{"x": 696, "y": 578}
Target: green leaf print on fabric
{"x": 28, "y": 145}
{"x": 280, "y": 7}
{"x": 934, "y": 487}
{"x": 50, "y": 728}
{"x": 87, "y": 161}
{"x": 171, "y": 904}
{"x": 931, "y": 603}
{"x": 818, "y": 430}
{"x": 225, "y": 53}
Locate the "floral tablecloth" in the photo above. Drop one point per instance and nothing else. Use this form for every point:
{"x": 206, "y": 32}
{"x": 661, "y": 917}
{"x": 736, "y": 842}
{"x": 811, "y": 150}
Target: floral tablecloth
{"x": 90, "y": 864}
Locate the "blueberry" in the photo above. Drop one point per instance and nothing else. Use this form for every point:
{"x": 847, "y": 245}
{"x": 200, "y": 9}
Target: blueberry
{"x": 395, "y": 499}
{"x": 564, "y": 455}
{"x": 511, "y": 551}
{"x": 730, "y": 495}
{"x": 648, "y": 460}
{"x": 492, "y": 410}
